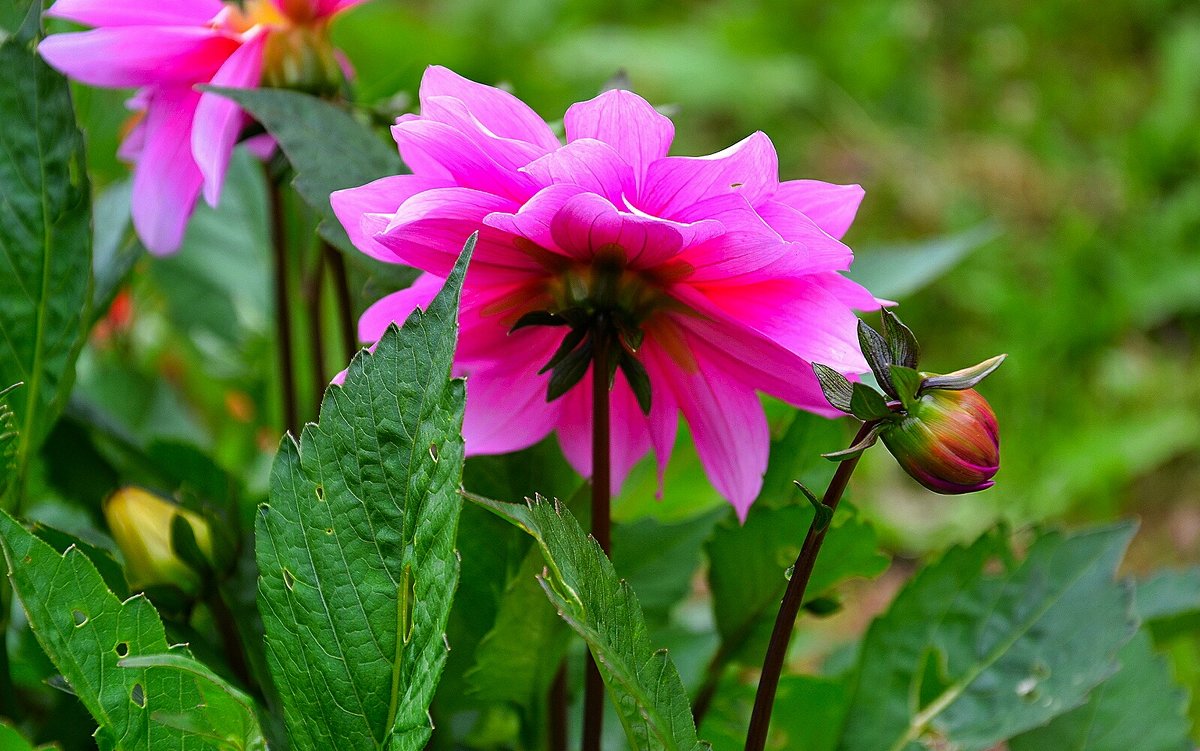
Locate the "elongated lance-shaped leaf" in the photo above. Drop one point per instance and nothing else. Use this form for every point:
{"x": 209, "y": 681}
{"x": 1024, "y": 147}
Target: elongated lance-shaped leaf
{"x": 356, "y": 549}
{"x": 45, "y": 241}
{"x": 8, "y": 441}
{"x": 978, "y": 648}
{"x": 328, "y": 148}
{"x": 1140, "y": 707}
{"x": 114, "y": 656}
{"x": 582, "y": 584}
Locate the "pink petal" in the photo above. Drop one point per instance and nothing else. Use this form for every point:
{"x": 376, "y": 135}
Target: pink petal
{"x": 397, "y": 307}
{"x": 429, "y": 229}
{"x": 628, "y": 428}
{"x": 506, "y": 407}
{"x": 166, "y": 180}
{"x": 626, "y": 122}
{"x": 664, "y": 412}
{"x": 219, "y": 119}
{"x": 498, "y": 111}
{"x": 137, "y": 12}
{"x": 326, "y": 8}
{"x": 532, "y": 221}
{"x": 799, "y": 315}
{"x": 435, "y": 149}
{"x": 588, "y": 164}
{"x": 128, "y": 56}
{"x": 729, "y": 428}
{"x": 674, "y": 184}
{"x": 817, "y": 251}
{"x": 587, "y": 223}
{"x": 832, "y": 207}
{"x": 510, "y": 153}
{"x": 367, "y": 210}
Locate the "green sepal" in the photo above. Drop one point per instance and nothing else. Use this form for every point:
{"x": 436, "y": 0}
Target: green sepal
{"x": 566, "y": 347}
{"x": 823, "y": 515}
{"x": 868, "y": 404}
{"x": 901, "y": 341}
{"x": 638, "y": 378}
{"x": 879, "y": 356}
{"x": 959, "y": 380}
{"x": 856, "y": 450}
{"x": 835, "y": 386}
{"x": 569, "y": 371}
{"x": 538, "y": 318}
{"x": 907, "y": 382}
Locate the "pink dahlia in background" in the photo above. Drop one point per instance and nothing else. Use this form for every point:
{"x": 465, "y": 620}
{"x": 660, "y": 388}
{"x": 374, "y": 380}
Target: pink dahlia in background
{"x": 725, "y": 280}
{"x": 164, "y": 48}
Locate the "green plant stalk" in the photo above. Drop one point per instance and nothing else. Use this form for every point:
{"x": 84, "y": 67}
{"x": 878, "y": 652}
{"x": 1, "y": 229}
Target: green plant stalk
{"x": 558, "y": 709}
{"x": 313, "y": 298}
{"x": 283, "y": 319}
{"x": 593, "y": 689}
{"x": 793, "y": 598}
{"x": 347, "y": 321}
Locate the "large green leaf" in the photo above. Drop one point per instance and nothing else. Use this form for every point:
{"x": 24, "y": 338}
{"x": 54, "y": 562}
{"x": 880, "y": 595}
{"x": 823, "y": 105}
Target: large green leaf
{"x": 328, "y": 148}
{"x": 583, "y": 586}
{"x": 808, "y": 714}
{"x": 749, "y": 563}
{"x": 115, "y": 657}
{"x": 1139, "y": 707}
{"x": 978, "y": 648}
{"x": 898, "y": 272}
{"x": 8, "y": 441}
{"x": 45, "y": 241}
{"x": 356, "y": 549}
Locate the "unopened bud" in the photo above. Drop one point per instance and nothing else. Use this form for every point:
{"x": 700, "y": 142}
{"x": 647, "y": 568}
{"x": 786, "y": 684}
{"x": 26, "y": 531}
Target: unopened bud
{"x": 302, "y": 58}
{"x": 948, "y": 441}
{"x": 142, "y": 526}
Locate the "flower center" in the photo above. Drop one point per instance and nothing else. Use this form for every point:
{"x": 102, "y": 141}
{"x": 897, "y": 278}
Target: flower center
{"x": 298, "y": 54}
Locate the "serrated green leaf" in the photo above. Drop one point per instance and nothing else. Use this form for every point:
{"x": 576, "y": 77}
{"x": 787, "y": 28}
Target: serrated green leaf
{"x": 356, "y": 549}
{"x": 45, "y": 241}
{"x": 328, "y": 148}
{"x": 88, "y": 633}
{"x": 970, "y": 656}
{"x": 748, "y": 565}
{"x": 582, "y": 584}
{"x": 1140, "y": 707}
{"x": 8, "y": 441}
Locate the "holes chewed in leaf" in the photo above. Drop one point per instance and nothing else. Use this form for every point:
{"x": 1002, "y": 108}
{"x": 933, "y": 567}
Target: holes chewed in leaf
{"x": 320, "y": 492}
{"x": 289, "y": 579}
{"x": 80, "y": 618}
{"x": 122, "y": 649}
{"x": 138, "y": 695}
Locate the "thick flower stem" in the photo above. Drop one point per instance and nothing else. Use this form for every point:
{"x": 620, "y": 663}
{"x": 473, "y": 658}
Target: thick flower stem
{"x": 593, "y": 690}
{"x": 793, "y": 598}
{"x": 283, "y": 316}
{"x": 345, "y": 306}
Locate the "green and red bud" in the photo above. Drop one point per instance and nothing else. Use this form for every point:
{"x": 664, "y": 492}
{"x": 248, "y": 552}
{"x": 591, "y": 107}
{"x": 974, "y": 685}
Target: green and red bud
{"x": 937, "y": 426}
{"x": 145, "y": 528}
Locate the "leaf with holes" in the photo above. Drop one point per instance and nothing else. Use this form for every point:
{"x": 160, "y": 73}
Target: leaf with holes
{"x": 583, "y": 586}
{"x": 328, "y": 148}
{"x": 1140, "y": 707}
{"x": 45, "y": 242}
{"x": 356, "y": 549}
{"x": 112, "y": 655}
{"x": 978, "y": 648}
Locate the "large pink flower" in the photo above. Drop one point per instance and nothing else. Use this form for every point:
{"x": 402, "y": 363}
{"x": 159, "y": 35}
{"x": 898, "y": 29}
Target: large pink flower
{"x": 732, "y": 275}
{"x": 164, "y": 48}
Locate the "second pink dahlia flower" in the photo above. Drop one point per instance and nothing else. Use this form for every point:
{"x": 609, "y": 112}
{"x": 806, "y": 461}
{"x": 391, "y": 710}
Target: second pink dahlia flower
{"x": 164, "y": 48}
{"x": 732, "y": 276}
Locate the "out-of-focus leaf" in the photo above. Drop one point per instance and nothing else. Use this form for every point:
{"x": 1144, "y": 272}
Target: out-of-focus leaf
{"x": 583, "y": 586}
{"x": 660, "y": 559}
{"x": 808, "y": 713}
{"x": 748, "y": 569}
{"x": 356, "y": 549}
{"x": 328, "y": 148}
{"x": 111, "y": 655}
{"x": 11, "y": 740}
{"x": 898, "y": 272}
{"x": 116, "y": 247}
{"x": 45, "y": 242}
{"x": 978, "y": 648}
{"x": 1168, "y": 594}
{"x": 1139, "y": 707}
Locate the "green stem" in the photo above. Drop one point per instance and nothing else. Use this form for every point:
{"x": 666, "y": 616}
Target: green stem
{"x": 347, "y": 321}
{"x": 283, "y": 316}
{"x": 558, "y": 709}
{"x": 793, "y": 598}
{"x": 313, "y": 297}
{"x": 593, "y": 689}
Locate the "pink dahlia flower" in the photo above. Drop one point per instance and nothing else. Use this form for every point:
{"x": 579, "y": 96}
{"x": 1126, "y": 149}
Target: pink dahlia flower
{"x": 731, "y": 275}
{"x": 164, "y": 48}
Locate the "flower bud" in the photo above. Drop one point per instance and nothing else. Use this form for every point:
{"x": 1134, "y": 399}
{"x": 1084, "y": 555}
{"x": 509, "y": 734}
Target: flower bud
{"x": 302, "y": 58}
{"x": 141, "y": 524}
{"x": 948, "y": 441}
